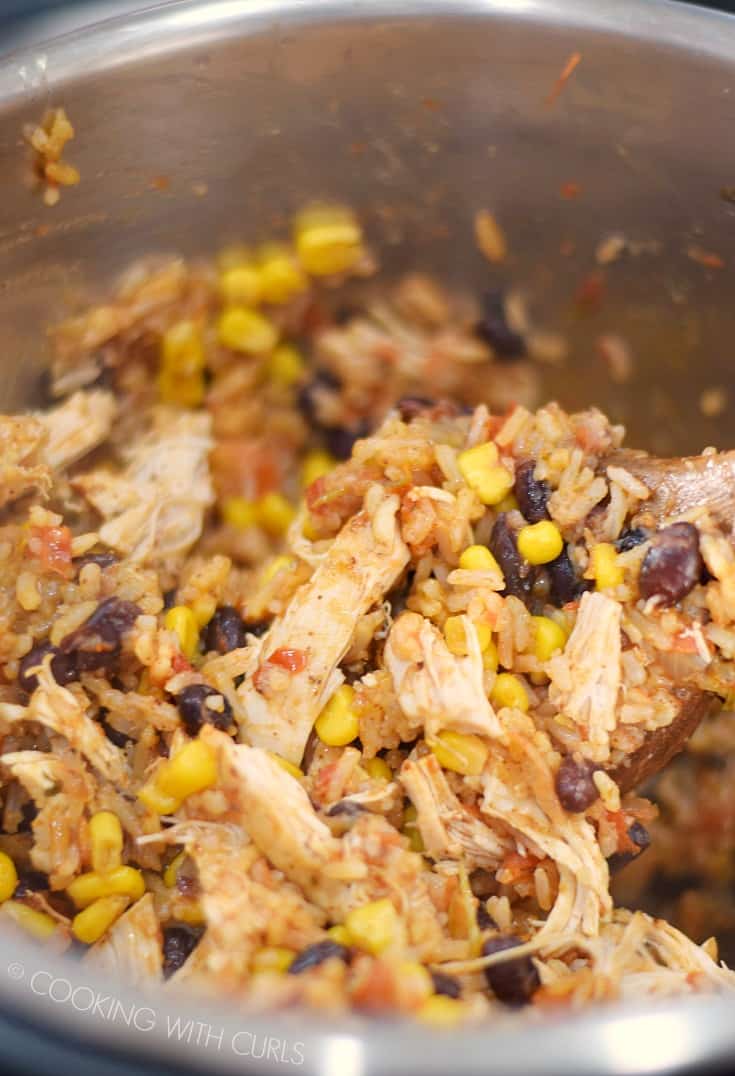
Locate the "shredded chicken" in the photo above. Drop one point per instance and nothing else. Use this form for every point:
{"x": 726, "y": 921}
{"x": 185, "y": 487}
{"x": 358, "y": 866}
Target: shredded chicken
{"x": 364, "y": 561}
{"x": 338, "y": 875}
{"x": 448, "y": 829}
{"x": 59, "y": 710}
{"x": 434, "y": 686}
{"x": 61, "y": 789}
{"x": 75, "y": 427}
{"x": 518, "y": 792}
{"x": 241, "y": 913}
{"x": 585, "y": 678}
{"x": 155, "y": 507}
{"x": 132, "y": 948}
{"x": 23, "y": 466}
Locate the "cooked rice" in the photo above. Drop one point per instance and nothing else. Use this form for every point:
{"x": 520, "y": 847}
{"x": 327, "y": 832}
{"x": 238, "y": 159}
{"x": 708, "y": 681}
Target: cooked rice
{"x": 160, "y": 552}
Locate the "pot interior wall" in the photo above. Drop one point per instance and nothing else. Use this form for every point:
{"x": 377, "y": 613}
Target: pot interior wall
{"x": 418, "y": 121}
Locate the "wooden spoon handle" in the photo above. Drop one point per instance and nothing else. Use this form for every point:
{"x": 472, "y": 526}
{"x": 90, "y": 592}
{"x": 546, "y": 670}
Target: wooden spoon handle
{"x": 660, "y": 746}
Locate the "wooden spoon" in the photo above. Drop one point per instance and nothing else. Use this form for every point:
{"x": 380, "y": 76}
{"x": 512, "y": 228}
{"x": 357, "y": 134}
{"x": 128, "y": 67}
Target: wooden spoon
{"x": 677, "y": 486}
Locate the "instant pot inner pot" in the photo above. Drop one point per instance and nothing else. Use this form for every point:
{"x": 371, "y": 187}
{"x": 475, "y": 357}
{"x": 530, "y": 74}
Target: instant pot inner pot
{"x": 206, "y": 124}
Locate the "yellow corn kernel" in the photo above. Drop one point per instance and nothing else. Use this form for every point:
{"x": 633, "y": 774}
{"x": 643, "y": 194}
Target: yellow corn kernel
{"x": 155, "y": 800}
{"x": 309, "y": 529}
{"x": 328, "y": 240}
{"x": 490, "y": 658}
{"x": 240, "y": 285}
{"x": 460, "y": 752}
{"x": 484, "y": 474}
{"x": 540, "y": 542}
{"x": 239, "y": 512}
{"x": 411, "y": 829}
{"x": 39, "y": 924}
{"x": 171, "y": 873}
{"x": 508, "y": 503}
{"x": 272, "y": 958}
{"x": 289, "y": 767}
{"x": 89, "y": 925}
{"x": 203, "y": 609}
{"x": 604, "y": 565}
{"x": 191, "y": 770}
{"x": 275, "y": 513}
{"x": 182, "y": 349}
{"x": 509, "y": 691}
{"x": 278, "y": 564}
{"x": 181, "y": 390}
{"x": 246, "y": 331}
{"x": 315, "y": 465}
{"x": 378, "y": 769}
{"x": 182, "y": 622}
{"x": 279, "y": 275}
{"x": 441, "y": 1011}
{"x": 122, "y": 881}
{"x": 416, "y": 978}
{"x": 548, "y": 637}
{"x": 338, "y": 724}
{"x": 374, "y": 927}
{"x": 106, "y": 840}
{"x": 340, "y": 934}
{"x": 456, "y": 638}
{"x": 8, "y": 877}
{"x": 478, "y": 558}
{"x": 285, "y": 366}
{"x": 190, "y": 911}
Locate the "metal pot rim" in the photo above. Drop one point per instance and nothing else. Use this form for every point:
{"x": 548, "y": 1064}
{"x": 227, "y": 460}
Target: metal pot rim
{"x": 614, "y": 1039}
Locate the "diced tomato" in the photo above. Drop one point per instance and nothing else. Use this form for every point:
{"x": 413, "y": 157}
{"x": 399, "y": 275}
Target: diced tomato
{"x": 570, "y": 190}
{"x": 591, "y": 291}
{"x": 294, "y": 661}
{"x": 180, "y": 664}
{"x": 52, "y": 545}
{"x": 377, "y": 990}
{"x": 515, "y": 866}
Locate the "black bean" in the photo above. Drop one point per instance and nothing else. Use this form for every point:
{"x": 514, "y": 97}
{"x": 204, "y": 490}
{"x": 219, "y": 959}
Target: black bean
{"x": 339, "y": 440}
{"x": 446, "y": 985}
{"x": 179, "y": 942}
{"x": 195, "y": 712}
{"x": 316, "y": 954}
{"x": 225, "y": 631}
{"x": 103, "y": 560}
{"x": 566, "y": 584}
{"x": 169, "y": 598}
{"x": 514, "y": 981}
{"x": 411, "y": 406}
{"x": 322, "y": 381}
{"x": 639, "y": 835}
{"x": 531, "y": 493}
{"x": 673, "y": 564}
{"x": 120, "y": 739}
{"x": 517, "y": 574}
{"x": 482, "y": 883}
{"x": 493, "y": 327}
{"x": 630, "y": 538}
{"x": 30, "y": 881}
{"x": 257, "y": 627}
{"x": 345, "y": 807}
{"x": 574, "y": 784}
{"x": 63, "y": 666}
{"x": 28, "y": 814}
{"x": 96, "y": 644}
{"x": 484, "y": 920}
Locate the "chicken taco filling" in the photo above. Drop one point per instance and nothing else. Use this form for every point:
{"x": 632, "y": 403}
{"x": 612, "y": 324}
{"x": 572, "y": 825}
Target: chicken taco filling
{"x": 331, "y": 664}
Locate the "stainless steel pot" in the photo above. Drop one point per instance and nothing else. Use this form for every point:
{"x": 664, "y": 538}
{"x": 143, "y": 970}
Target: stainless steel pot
{"x": 418, "y": 114}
